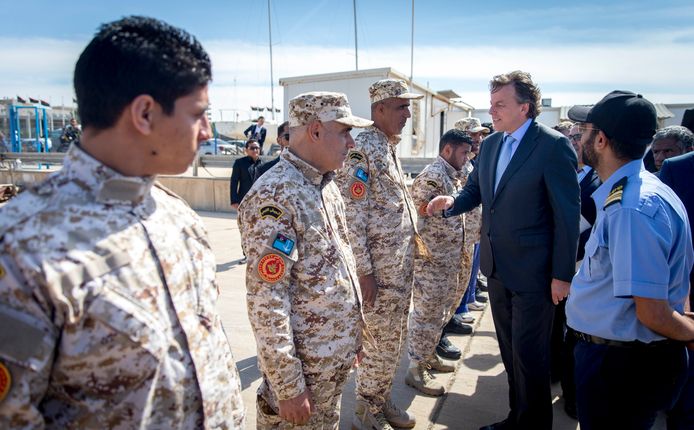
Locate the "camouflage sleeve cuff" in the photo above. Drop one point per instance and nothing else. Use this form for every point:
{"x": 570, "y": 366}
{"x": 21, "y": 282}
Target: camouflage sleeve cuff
{"x": 290, "y": 389}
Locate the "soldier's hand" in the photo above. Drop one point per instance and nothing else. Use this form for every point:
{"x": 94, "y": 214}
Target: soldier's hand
{"x": 297, "y": 410}
{"x": 368, "y": 289}
{"x": 438, "y": 204}
{"x": 560, "y": 290}
{"x": 235, "y": 206}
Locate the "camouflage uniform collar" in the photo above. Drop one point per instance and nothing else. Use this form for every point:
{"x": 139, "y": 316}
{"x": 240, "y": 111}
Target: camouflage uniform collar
{"x": 311, "y": 173}
{"x": 450, "y": 170}
{"x": 107, "y": 185}
{"x": 393, "y": 140}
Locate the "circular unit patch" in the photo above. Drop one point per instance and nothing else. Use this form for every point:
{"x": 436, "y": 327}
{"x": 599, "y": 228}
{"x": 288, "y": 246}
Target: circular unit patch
{"x": 5, "y": 381}
{"x": 358, "y": 190}
{"x": 271, "y": 268}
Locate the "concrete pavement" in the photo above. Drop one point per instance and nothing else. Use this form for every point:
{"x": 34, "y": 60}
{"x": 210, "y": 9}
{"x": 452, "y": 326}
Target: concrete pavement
{"x": 477, "y": 392}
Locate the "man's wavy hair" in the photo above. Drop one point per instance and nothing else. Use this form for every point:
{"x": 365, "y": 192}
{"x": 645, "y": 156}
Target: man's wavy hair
{"x": 526, "y": 90}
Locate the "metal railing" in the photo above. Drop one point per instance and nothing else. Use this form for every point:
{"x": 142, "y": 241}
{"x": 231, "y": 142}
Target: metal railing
{"x": 410, "y": 166}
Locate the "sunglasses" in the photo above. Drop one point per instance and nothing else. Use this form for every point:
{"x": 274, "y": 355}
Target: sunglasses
{"x": 575, "y": 137}
{"x": 285, "y": 136}
{"x": 254, "y": 148}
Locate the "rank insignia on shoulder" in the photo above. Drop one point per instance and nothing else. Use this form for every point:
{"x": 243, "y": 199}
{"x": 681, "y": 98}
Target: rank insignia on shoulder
{"x": 270, "y": 211}
{"x": 356, "y": 156}
{"x": 283, "y": 244}
{"x": 271, "y": 268}
{"x": 357, "y": 190}
{"x": 361, "y": 174}
{"x": 5, "y": 381}
{"x": 432, "y": 183}
{"x": 616, "y": 193}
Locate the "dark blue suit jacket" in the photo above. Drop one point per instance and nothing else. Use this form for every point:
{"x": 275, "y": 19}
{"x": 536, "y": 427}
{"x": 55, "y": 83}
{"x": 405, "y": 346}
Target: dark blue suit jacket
{"x": 588, "y": 185}
{"x": 677, "y": 173}
{"x": 530, "y": 225}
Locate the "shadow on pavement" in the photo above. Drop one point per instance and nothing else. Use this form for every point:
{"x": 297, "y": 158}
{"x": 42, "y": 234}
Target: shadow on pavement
{"x": 248, "y": 371}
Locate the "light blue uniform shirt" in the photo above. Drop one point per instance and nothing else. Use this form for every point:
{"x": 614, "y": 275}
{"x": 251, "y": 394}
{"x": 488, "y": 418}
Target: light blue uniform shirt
{"x": 640, "y": 247}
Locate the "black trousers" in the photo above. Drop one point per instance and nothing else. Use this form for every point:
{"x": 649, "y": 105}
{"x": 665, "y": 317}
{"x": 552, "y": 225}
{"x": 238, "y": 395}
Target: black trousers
{"x": 523, "y": 323}
{"x": 625, "y": 387}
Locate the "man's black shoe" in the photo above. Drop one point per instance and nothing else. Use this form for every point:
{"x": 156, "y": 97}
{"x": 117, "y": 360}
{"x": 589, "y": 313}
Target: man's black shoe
{"x": 481, "y": 284}
{"x": 501, "y": 425}
{"x": 447, "y": 350}
{"x": 454, "y": 326}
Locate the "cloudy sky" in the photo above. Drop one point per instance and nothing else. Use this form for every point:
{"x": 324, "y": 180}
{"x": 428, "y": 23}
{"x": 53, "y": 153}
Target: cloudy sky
{"x": 577, "y": 53}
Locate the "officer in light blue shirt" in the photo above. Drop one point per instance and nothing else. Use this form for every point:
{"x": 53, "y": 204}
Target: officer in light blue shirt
{"x": 627, "y": 301}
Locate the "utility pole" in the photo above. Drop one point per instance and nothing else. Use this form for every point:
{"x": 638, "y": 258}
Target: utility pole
{"x": 272, "y": 79}
{"x": 356, "y": 45}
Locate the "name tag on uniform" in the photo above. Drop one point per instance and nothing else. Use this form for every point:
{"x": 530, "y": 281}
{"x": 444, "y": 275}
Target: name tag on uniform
{"x": 283, "y": 244}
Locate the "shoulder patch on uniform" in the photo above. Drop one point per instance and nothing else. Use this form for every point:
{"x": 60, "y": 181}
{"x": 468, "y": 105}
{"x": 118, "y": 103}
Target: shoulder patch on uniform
{"x": 357, "y": 190}
{"x": 271, "y": 211}
{"x": 283, "y": 244}
{"x": 356, "y": 156}
{"x": 361, "y": 174}
{"x": 2, "y": 272}
{"x": 5, "y": 381}
{"x": 432, "y": 183}
{"x": 616, "y": 193}
{"x": 271, "y": 268}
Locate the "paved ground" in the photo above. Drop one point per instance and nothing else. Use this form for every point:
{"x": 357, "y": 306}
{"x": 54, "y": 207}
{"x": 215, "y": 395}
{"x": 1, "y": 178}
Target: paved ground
{"x": 477, "y": 391}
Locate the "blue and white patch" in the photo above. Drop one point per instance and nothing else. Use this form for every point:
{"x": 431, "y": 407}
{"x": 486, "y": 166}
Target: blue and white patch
{"x": 361, "y": 174}
{"x": 283, "y": 244}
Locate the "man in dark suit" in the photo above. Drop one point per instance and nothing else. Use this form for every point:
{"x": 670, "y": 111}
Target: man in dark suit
{"x": 526, "y": 182}
{"x": 257, "y": 132}
{"x": 243, "y": 173}
{"x": 283, "y": 141}
{"x": 677, "y": 173}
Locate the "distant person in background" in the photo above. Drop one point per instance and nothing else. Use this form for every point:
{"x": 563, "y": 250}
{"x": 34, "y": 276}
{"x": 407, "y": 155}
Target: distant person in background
{"x": 71, "y": 133}
{"x": 244, "y": 172}
{"x": 257, "y": 132}
{"x": 564, "y": 127}
{"x": 283, "y": 142}
{"x": 670, "y": 142}
{"x": 4, "y": 146}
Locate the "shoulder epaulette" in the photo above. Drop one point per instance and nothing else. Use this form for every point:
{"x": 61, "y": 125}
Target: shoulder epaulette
{"x": 616, "y": 193}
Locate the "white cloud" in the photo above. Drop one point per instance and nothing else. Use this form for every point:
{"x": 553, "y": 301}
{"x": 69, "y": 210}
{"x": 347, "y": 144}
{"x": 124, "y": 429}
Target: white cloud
{"x": 569, "y": 74}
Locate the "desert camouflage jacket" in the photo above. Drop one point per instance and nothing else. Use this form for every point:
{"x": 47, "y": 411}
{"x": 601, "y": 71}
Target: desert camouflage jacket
{"x": 302, "y": 288}
{"x": 107, "y": 305}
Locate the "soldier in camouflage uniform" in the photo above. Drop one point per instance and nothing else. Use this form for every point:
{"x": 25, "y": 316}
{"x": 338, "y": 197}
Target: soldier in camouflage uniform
{"x": 302, "y": 287}
{"x": 107, "y": 280}
{"x": 473, "y": 218}
{"x": 437, "y": 281}
{"x": 382, "y": 226}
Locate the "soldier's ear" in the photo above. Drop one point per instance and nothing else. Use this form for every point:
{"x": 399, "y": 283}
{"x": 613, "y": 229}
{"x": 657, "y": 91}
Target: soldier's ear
{"x": 314, "y": 129}
{"x": 141, "y": 112}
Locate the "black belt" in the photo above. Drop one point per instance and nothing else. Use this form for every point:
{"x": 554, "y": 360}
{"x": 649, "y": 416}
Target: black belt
{"x": 621, "y": 344}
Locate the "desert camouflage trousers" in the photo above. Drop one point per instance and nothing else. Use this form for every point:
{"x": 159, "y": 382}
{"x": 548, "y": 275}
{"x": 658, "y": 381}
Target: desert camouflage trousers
{"x": 387, "y": 323}
{"x": 326, "y": 392}
{"x": 435, "y": 295}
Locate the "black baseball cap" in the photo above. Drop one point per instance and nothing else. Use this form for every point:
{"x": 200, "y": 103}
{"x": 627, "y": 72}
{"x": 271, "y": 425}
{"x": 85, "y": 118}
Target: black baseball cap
{"x": 622, "y": 115}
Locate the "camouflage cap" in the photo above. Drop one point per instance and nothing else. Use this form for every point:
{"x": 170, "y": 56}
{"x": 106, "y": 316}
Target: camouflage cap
{"x": 324, "y": 106}
{"x": 470, "y": 124}
{"x": 391, "y": 88}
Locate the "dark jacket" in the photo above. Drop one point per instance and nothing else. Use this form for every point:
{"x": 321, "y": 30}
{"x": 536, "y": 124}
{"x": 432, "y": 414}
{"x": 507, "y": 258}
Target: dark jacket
{"x": 588, "y": 185}
{"x": 265, "y": 167}
{"x": 530, "y": 225}
{"x": 677, "y": 173}
{"x": 260, "y": 138}
{"x": 242, "y": 177}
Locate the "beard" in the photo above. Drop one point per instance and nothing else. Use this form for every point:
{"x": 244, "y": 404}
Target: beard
{"x": 588, "y": 155}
